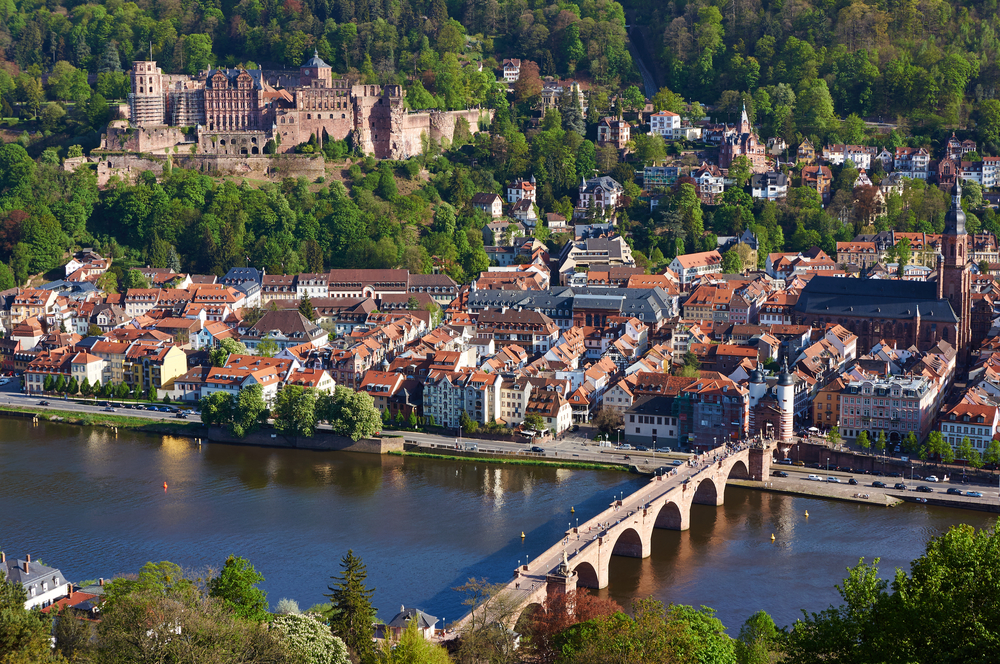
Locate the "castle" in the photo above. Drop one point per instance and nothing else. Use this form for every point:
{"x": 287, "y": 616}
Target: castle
{"x": 742, "y": 141}
{"x": 237, "y": 112}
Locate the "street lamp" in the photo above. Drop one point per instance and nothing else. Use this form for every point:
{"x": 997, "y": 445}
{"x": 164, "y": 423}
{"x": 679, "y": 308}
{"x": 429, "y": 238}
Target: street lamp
{"x": 828, "y": 464}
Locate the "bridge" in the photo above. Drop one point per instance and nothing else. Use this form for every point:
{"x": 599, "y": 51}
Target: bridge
{"x": 625, "y": 528}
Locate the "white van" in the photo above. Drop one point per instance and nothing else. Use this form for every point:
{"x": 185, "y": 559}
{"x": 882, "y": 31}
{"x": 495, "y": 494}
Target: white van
{"x": 817, "y": 478}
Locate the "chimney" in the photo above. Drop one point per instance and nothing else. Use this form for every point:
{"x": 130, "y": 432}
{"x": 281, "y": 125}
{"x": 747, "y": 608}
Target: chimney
{"x": 28, "y": 557}
{"x": 3, "y": 557}
{"x": 100, "y": 581}
{"x": 26, "y": 571}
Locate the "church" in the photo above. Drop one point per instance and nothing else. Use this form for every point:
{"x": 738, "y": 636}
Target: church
{"x": 902, "y": 313}
{"x": 743, "y": 141}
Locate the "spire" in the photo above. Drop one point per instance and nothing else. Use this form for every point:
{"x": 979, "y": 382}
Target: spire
{"x": 954, "y": 220}
{"x": 744, "y": 118}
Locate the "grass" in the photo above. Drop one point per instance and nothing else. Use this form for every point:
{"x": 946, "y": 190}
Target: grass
{"x": 575, "y": 465}
{"x": 107, "y": 420}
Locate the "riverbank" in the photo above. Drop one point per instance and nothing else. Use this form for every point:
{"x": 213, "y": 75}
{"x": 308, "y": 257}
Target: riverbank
{"x": 508, "y": 461}
{"x": 141, "y": 424}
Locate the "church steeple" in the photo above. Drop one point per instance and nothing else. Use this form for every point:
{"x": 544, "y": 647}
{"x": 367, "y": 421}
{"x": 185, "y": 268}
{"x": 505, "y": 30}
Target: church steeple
{"x": 744, "y": 120}
{"x": 954, "y": 221}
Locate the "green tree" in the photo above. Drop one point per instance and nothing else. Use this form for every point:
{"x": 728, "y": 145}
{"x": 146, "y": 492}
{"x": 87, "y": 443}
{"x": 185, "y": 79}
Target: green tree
{"x": 732, "y": 262}
{"x": 880, "y": 443}
{"x": 740, "y": 171}
{"x": 217, "y": 409}
{"x": 134, "y": 279}
{"x": 86, "y": 389}
{"x": 467, "y": 424}
{"x": 992, "y": 454}
{"x": 759, "y": 641}
{"x": 964, "y": 450}
{"x": 988, "y": 123}
{"x": 412, "y": 648}
{"x": 73, "y": 387}
{"x": 309, "y": 640}
{"x": 306, "y": 308}
{"x": 294, "y": 411}
{"x": 534, "y": 421}
{"x": 634, "y": 99}
{"x": 352, "y": 414}
{"x": 863, "y": 441}
{"x": 267, "y": 347}
{"x": 665, "y": 100}
{"x": 220, "y": 354}
{"x": 911, "y": 443}
{"x": 60, "y": 384}
{"x": 833, "y": 436}
{"x": 23, "y": 633}
{"x": 151, "y": 393}
{"x": 108, "y": 283}
{"x": 236, "y": 585}
{"x": 351, "y": 613}
{"x": 249, "y": 411}
{"x": 72, "y": 634}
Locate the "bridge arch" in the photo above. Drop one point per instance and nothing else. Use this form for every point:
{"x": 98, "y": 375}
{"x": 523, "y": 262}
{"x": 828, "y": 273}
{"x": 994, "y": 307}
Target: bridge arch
{"x": 739, "y": 471}
{"x": 630, "y": 543}
{"x": 586, "y": 576}
{"x": 708, "y": 493}
{"x": 672, "y": 517}
{"x": 527, "y": 616}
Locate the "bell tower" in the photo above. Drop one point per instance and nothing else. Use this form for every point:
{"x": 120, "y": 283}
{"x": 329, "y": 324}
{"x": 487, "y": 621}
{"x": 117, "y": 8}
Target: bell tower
{"x": 954, "y": 275}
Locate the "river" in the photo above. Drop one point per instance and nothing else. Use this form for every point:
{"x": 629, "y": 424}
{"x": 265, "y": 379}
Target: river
{"x": 93, "y": 505}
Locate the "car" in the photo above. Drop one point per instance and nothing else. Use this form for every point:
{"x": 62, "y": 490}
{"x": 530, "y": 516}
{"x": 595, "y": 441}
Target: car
{"x": 852, "y": 482}
{"x": 973, "y": 494}
{"x": 785, "y": 462}
{"x": 834, "y": 480}
{"x": 641, "y": 448}
{"x": 43, "y": 403}
{"x": 536, "y": 448}
{"x": 816, "y": 478}
{"x": 676, "y": 462}
{"x": 816, "y": 465}
{"x": 900, "y": 486}
{"x": 931, "y": 478}
{"x": 181, "y": 416}
{"x": 625, "y": 447}
{"x": 102, "y": 403}
{"x": 894, "y": 475}
{"x": 150, "y": 407}
{"x": 779, "y": 473}
{"x": 878, "y": 485}
{"x": 925, "y": 489}
{"x": 800, "y": 464}
{"x": 108, "y": 409}
{"x": 953, "y": 491}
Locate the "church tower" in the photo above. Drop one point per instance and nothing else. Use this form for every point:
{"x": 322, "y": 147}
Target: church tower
{"x": 954, "y": 275}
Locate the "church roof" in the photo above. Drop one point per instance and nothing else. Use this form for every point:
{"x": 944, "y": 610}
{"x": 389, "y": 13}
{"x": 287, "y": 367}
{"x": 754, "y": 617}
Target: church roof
{"x": 315, "y": 62}
{"x": 874, "y": 298}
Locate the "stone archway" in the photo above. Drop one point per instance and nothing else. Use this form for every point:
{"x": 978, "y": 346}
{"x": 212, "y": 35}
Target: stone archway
{"x": 525, "y": 619}
{"x": 586, "y": 576}
{"x": 707, "y": 493}
{"x": 739, "y": 471}
{"x": 669, "y": 517}
{"x": 629, "y": 543}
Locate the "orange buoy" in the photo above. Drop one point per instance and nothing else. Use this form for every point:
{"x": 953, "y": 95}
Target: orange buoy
{"x": 164, "y": 486}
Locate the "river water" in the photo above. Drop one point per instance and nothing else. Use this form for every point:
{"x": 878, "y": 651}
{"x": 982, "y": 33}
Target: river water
{"x": 93, "y": 505}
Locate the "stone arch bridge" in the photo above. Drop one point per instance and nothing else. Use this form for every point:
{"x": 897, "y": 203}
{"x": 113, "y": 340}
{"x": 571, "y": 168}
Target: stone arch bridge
{"x": 625, "y": 528}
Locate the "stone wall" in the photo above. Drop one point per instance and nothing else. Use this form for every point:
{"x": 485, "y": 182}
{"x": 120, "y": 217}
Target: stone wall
{"x": 129, "y": 166}
{"x": 119, "y": 136}
{"x": 321, "y": 441}
{"x": 436, "y": 125}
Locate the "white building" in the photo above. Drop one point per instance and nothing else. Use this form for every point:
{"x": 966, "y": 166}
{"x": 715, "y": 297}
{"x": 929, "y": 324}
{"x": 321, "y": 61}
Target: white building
{"x": 43, "y": 584}
{"x": 976, "y": 422}
{"x": 665, "y": 124}
{"x": 690, "y": 267}
{"x": 511, "y": 69}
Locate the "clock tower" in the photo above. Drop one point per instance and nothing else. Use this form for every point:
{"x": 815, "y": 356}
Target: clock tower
{"x": 954, "y": 276}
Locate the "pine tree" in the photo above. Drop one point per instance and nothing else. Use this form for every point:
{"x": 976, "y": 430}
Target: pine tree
{"x": 351, "y": 613}
{"x": 572, "y": 113}
{"x": 306, "y": 308}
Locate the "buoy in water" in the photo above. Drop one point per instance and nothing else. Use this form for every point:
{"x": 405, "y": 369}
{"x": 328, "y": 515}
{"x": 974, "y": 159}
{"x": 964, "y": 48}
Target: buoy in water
{"x": 522, "y": 534}
{"x": 772, "y": 537}
{"x": 807, "y": 514}
{"x": 572, "y": 510}
{"x": 164, "y": 486}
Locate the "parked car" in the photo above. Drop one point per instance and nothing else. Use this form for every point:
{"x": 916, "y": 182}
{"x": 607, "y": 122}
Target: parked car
{"x": 973, "y": 494}
{"x": 641, "y": 448}
{"x": 800, "y": 464}
{"x": 576, "y": 427}
{"x": 900, "y": 486}
{"x": 780, "y": 473}
{"x": 625, "y": 447}
{"x": 925, "y": 489}
{"x": 852, "y": 482}
{"x": 878, "y": 485}
{"x": 931, "y": 478}
{"x": 953, "y": 491}
{"x": 785, "y": 462}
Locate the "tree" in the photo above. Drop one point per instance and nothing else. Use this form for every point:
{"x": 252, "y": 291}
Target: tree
{"x": 665, "y": 100}
{"x": 467, "y": 424}
{"x": 559, "y": 612}
{"x": 412, "y": 648}
{"x": 267, "y": 347}
{"x": 608, "y": 420}
{"x": 911, "y": 442}
{"x": 219, "y": 355}
{"x": 22, "y": 632}
{"x": 833, "y": 437}
{"x": 352, "y": 414}
{"x": 759, "y": 640}
{"x": 732, "y": 263}
{"x": 72, "y": 634}
{"x": 989, "y": 121}
{"x": 306, "y": 308}
{"x": 634, "y": 99}
{"x": 152, "y": 393}
{"x": 992, "y": 454}
{"x": 490, "y": 606}
{"x": 351, "y": 613}
{"x": 236, "y": 586}
{"x": 534, "y": 421}
{"x": 295, "y": 411}
{"x": 249, "y": 411}
{"x": 880, "y": 442}
{"x": 134, "y": 279}
{"x": 528, "y": 84}
{"x": 60, "y": 384}
{"x": 108, "y": 283}
{"x": 73, "y": 387}
{"x": 964, "y": 450}
{"x": 85, "y": 388}
{"x": 216, "y": 409}
{"x": 740, "y": 171}
{"x": 309, "y": 640}
{"x": 863, "y": 441}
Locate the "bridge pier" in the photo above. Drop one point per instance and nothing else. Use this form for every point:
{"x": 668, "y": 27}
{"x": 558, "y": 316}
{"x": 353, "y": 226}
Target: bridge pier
{"x": 760, "y": 463}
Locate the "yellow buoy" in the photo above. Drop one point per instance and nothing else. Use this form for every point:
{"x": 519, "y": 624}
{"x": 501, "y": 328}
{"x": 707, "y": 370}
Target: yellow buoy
{"x": 522, "y": 534}
{"x": 807, "y": 514}
{"x": 772, "y": 537}
{"x": 572, "y": 510}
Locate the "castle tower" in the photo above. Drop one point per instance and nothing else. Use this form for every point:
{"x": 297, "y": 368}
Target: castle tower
{"x": 146, "y": 101}
{"x": 315, "y": 73}
{"x": 784, "y": 390}
{"x": 954, "y": 275}
{"x": 758, "y": 388}
{"x": 745, "y": 127}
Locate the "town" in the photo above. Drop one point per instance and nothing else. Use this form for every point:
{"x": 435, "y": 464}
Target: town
{"x": 558, "y": 236}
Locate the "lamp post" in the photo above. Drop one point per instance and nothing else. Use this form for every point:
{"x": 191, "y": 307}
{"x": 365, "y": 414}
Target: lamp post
{"x": 828, "y": 464}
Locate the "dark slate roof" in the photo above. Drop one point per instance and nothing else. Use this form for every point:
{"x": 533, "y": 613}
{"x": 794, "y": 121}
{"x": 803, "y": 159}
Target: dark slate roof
{"x": 652, "y": 303}
{"x": 13, "y": 569}
{"x": 874, "y": 298}
{"x": 232, "y": 74}
{"x": 315, "y": 61}
{"x": 238, "y": 275}
{"x": 403, "y": 618}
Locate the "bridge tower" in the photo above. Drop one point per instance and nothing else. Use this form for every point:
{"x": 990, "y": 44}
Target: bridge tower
{"x": 785, "y": 392}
